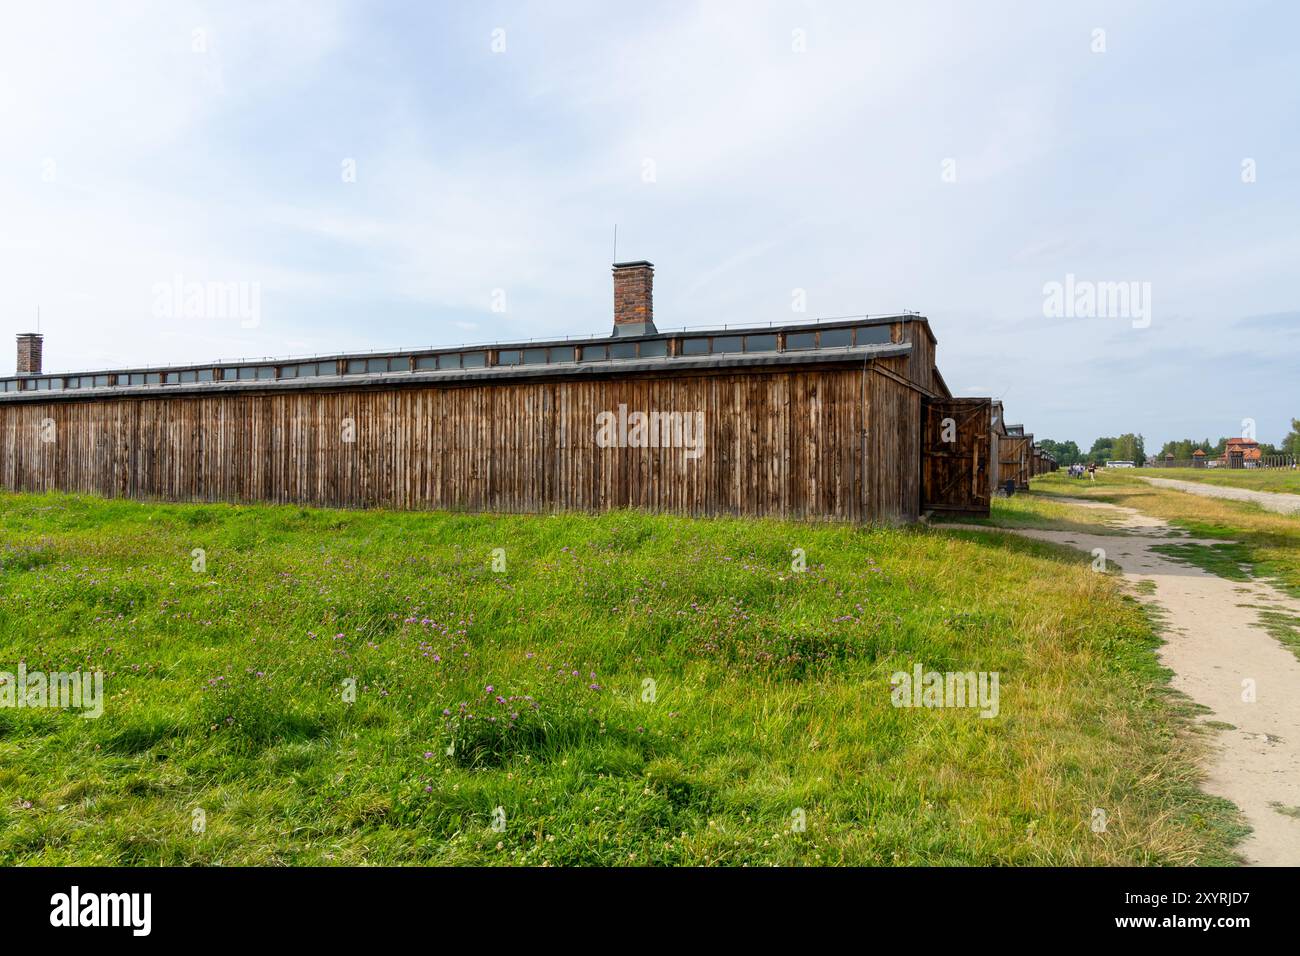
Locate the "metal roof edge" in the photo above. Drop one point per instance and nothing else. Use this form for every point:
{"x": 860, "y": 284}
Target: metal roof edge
{"x": 513, "y": 373}
{"x": 834, "y": 322}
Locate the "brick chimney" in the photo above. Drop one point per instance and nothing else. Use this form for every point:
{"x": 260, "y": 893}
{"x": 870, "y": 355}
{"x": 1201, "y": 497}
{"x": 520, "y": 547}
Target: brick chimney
{"x": 634, "y": 304}
{"x": 29, "y": 353}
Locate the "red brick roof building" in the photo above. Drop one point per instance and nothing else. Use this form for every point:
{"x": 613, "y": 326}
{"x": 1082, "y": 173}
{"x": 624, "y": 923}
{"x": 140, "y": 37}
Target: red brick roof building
{"x": 1238, "y": 451}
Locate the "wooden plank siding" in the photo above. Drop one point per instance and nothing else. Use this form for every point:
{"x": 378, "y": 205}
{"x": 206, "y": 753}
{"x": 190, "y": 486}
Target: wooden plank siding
{"x": 1014, "y": 458}
{"x": 997, "y": 435}
{"x": 955, "y": 456}
{"x": 892, "y": 490}
{"x": 809, "y": 442}
{"x": 920, "y": 362}
{"x": 995, "y": 463}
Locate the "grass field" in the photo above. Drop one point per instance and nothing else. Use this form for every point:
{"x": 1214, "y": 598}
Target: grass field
{"x": 229, "y": 734}
{"x": 1283, "y": 480}
{"x": 1039, "y": 511}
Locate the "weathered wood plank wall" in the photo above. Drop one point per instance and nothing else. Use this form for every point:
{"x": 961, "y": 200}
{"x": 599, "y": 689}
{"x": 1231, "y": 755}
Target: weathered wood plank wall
{"x": 893, "y": 470}
{"x": 1014, "y": 453}
{"x": 995, "y": 463}
{"x": 920, "y": 365}
{"x": 955, "y": 455}
{"x": 775, "y": 442}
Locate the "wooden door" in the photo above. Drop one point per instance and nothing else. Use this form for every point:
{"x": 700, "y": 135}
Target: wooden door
{"x": 955, "y": 449}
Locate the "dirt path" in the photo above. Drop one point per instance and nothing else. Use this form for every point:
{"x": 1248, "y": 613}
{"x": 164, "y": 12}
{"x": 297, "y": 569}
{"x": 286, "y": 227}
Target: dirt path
{"x": 1272, "y": 500}
{"x": 1214, "y": 642}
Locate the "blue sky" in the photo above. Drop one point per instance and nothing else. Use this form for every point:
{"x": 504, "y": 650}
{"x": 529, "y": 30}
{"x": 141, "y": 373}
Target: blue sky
{"x": 794, "y": 146}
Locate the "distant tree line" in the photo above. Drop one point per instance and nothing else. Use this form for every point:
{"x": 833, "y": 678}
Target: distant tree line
{"x": 1130, "y": 447}
{"x": 1127, "y": 447}
{"x": 1065, "y": 452}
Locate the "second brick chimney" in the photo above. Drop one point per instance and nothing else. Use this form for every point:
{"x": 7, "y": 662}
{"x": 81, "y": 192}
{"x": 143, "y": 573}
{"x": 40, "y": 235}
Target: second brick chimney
{"x": 634, "y": 307}
{"x": 29, "y": 353}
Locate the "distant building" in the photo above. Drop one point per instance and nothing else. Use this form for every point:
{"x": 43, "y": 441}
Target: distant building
{"x": 1198, "y": 458}
{"x": 1241, "y": 453}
